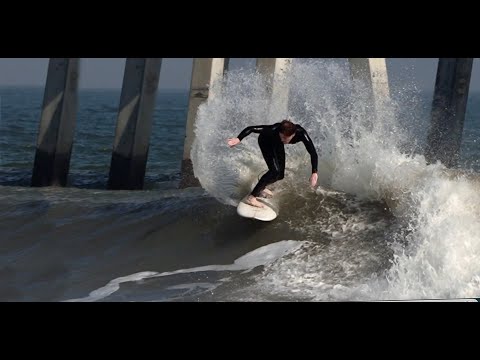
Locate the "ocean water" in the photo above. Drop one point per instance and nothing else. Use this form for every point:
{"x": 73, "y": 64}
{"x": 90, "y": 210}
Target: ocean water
{"x": 382, "y": 225}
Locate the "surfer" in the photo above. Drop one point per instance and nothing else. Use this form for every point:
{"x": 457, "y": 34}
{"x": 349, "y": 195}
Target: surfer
{"x": 272, "y": 140}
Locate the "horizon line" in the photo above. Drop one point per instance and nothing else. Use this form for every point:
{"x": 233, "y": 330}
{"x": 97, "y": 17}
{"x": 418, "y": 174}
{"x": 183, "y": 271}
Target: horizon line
{"x": 80, "y": 87}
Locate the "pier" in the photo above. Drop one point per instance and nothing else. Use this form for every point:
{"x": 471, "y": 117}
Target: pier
{"x": 135, "y": 114}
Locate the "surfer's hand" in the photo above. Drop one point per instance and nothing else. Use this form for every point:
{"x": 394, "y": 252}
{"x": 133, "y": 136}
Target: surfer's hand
{"x": 313, "y": 179}
{"x": 233, "y": 142}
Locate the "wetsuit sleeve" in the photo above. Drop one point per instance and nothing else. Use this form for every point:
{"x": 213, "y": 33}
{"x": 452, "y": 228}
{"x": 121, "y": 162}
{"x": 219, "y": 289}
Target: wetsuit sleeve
{"x": 311, "y": 150}
{"x": 248, "y": 130}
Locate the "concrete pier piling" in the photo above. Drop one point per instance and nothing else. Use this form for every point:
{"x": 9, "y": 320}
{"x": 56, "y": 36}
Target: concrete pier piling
{"x": 448, "y": 110}
{"x": 57, "y": 123}
{"x": 275, "y": 71}
{"x": 205, "y": 72}
{"x": 226, "y": 64}
{"x": 370, "y": 80}
{"x": 134, "y": 123}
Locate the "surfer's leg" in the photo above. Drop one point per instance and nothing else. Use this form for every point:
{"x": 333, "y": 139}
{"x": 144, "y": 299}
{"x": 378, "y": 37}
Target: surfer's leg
{"x": 275, "y": 158}
{"x": 269, "y": 178}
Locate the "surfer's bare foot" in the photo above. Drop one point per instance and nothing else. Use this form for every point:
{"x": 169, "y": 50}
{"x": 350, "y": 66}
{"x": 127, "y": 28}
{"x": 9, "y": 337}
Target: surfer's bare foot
{"x": 267, "y": 193}
{"x": 252, "y": 200}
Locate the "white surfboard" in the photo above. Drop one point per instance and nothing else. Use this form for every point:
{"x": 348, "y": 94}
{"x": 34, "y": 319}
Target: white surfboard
{"x": 252, "y": 212}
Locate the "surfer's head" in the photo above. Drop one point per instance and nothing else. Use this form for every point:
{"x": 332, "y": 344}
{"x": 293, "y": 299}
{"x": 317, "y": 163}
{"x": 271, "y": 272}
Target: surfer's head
{"x": 287, "y": 131}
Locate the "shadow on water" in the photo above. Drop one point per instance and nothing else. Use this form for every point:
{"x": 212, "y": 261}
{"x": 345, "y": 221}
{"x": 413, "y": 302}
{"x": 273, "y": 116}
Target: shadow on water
{"x": 86, "y": 179}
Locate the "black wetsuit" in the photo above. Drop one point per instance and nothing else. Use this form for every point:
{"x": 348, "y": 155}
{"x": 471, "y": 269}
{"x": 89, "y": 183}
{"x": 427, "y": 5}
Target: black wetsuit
{"x": 273, "y": 151}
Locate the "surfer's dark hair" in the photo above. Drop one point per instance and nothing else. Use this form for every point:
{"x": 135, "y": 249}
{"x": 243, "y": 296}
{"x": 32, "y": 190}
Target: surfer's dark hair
{"x": 287, "y": 128}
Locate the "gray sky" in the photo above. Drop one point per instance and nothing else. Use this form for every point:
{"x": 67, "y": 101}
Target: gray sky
{"x": 175, "y": 72}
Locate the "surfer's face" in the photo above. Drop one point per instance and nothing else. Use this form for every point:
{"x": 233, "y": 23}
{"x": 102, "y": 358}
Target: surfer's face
{"x": 286, "y": 139}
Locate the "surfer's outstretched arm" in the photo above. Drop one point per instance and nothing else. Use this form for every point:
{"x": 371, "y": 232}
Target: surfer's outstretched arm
{"x": 251, "y": 129}
{"x": 245, "y": 132}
